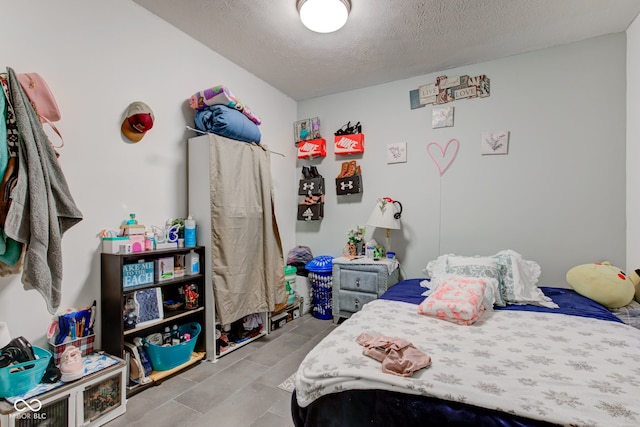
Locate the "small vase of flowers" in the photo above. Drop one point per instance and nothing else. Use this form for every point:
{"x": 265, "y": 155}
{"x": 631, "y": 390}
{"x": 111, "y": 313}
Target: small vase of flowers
{"x": 355, "y": 240}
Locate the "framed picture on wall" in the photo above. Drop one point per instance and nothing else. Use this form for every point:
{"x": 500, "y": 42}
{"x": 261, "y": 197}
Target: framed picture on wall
{"x": 397, "y": 153}
{"x": 495, "y": 142}
{"x": 442, "y": 117}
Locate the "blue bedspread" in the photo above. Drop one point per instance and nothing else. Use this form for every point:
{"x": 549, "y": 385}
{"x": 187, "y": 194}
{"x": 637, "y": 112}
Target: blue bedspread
{"x": 570, "y": 301}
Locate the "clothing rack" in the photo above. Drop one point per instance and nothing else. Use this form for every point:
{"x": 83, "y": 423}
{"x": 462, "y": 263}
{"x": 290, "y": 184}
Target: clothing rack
{"x": 205, "y": 133}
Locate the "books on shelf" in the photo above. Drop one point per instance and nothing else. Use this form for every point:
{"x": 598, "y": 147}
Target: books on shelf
{"x": 139, "y": 273}
{"x": 164, "y": 268}
{"x": 148, "y": 306}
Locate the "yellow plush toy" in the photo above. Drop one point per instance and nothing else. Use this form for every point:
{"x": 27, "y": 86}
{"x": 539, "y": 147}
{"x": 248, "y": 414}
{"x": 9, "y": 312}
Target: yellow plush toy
{"x": 603, "y": 283}
{"x": 634, "y": 276}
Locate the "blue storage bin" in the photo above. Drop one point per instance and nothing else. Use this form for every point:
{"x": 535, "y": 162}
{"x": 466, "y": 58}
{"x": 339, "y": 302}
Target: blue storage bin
{"x": 320, "y": 264}
{"x": 165, "y": 358}
{"x": 321, "y": 295}
{"x": 14, "y": 381}
{"x": 321, "y": 281}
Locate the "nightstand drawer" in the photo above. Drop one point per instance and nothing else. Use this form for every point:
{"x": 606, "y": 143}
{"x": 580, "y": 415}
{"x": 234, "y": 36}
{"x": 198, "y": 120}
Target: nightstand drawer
{"x": 359, "y": 280}
{"x": 353, "y": 301}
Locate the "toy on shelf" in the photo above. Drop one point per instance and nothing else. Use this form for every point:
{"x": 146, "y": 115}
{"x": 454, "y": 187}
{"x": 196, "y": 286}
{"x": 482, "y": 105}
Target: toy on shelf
{"x": 132, "y": 237}
{"x": 167, "y": 237}
{"x": 306, "y": 134}
{"x": 135, "y": 232}
{"x": 306, "y": 130}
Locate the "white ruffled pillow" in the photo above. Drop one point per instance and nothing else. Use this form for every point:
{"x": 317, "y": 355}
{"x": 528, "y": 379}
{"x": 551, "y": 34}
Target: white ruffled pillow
{"x": 437, "y": 267}
{"x": 517, "y": 277}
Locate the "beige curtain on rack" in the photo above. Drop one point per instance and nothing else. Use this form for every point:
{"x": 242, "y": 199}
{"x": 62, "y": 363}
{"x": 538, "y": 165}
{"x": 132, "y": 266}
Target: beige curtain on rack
{"x": 247, "y": 264}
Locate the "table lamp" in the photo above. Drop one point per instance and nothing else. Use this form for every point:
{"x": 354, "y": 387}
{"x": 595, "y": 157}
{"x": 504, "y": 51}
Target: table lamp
{"x": 386, "y": 215}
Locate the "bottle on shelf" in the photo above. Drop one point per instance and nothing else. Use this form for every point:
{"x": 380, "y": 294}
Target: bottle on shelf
{"x": 175, "y": 335}
{"x": 192, "y": 263}
{"x": 166, "y": 336}
{"x": 149, "y": 241}
{"x": 189, "y": 232}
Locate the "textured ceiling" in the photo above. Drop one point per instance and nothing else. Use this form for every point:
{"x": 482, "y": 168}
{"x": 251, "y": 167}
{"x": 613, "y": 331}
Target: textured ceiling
{"x": 384, "y": 40}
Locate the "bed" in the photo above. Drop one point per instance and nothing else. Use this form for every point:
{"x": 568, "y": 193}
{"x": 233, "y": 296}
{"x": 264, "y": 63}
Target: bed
{"x": 518, "y": 365}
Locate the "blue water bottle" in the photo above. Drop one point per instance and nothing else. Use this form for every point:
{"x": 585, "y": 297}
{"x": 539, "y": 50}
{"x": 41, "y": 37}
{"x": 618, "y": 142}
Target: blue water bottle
{"x": 189, "y": 232}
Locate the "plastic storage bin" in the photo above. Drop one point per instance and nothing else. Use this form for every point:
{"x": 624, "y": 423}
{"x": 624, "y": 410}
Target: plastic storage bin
{"x": 321, "y": 281}
{"x": 14, "y": 382}
{"x": 165, "y": 358}
{"x": 85, "y": 344}
{"x": 290, "y": 282}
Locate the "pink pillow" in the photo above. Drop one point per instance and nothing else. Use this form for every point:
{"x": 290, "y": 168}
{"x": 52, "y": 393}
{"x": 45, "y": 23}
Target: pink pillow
{"x": 457, "y": 299}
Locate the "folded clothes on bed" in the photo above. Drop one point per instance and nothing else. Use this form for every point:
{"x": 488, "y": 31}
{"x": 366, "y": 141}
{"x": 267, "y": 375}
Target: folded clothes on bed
{"x": 227, "y": 122}
{"x": 398, "y": 356}
{"x": 457, "y": 299}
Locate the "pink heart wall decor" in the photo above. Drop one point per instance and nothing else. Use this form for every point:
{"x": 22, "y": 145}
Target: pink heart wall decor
{"x": 440, "y": 159}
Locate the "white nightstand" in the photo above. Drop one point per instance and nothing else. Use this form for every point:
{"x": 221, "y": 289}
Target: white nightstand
{"x": 356, "y": 281}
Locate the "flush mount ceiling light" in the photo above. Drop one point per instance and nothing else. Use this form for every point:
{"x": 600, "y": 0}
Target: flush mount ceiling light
{"x": 324, "y": 16}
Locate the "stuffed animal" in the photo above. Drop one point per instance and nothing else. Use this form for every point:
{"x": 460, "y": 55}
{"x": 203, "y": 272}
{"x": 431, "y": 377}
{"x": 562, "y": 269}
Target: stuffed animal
{"x": 634, "y": 276}
{"x": 603, "y": 283}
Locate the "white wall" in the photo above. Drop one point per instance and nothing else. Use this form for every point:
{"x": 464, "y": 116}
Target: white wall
{"x": 98, "y": 57}
{"x": 633, "y": 146}
{"x": 558, "y": 197}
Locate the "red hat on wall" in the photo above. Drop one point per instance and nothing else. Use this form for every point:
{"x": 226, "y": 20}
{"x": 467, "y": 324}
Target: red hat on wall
{"x": 138, "y": 120}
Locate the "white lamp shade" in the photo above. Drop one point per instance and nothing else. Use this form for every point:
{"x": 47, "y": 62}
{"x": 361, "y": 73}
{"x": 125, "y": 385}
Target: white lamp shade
{"x": 324, "y": 16}
{"x": 384, "y": 215}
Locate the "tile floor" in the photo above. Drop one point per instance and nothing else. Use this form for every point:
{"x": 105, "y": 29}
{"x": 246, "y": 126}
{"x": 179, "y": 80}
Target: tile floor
{"x": 240, "y": 389}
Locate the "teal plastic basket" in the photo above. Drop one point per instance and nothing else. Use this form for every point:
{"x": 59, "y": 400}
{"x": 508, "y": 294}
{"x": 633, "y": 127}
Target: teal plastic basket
{"x": 22, "y": 377}
{"x": 165, "y": 358}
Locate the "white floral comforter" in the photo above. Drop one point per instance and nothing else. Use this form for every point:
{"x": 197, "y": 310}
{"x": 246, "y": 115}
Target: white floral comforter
{"x": 563, "y": 369}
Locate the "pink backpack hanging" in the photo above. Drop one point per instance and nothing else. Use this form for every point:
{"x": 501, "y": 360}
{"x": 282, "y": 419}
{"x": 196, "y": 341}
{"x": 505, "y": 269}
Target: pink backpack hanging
{"x": 42, "y": 100}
